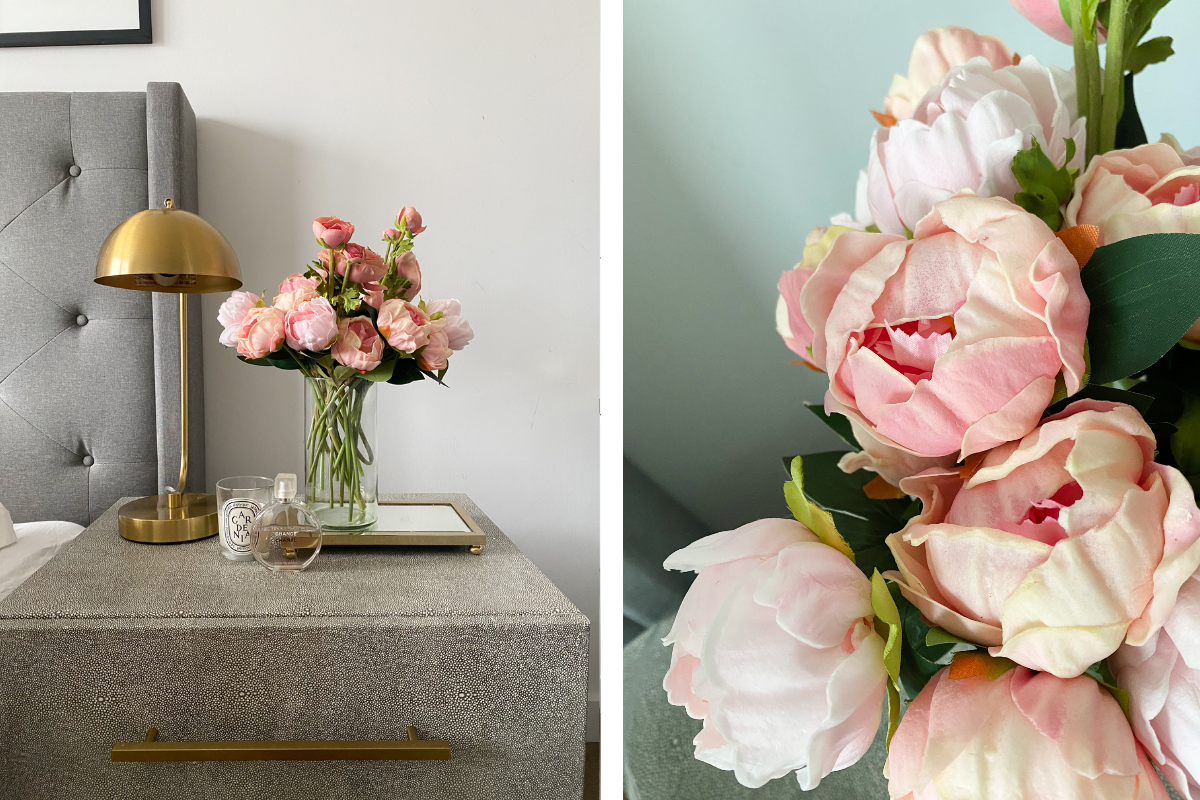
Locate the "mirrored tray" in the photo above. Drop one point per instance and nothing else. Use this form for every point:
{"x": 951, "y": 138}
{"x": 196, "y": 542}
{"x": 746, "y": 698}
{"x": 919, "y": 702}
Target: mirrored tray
{"x": 414, "y": 523}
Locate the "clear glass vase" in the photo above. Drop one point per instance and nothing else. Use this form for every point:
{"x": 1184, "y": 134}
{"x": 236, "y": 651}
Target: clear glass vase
{"x": 340, "y": 479}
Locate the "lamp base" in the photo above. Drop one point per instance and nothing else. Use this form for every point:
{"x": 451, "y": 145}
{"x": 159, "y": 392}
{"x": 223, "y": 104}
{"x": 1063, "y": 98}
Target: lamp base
{"x": 152, "y": 519}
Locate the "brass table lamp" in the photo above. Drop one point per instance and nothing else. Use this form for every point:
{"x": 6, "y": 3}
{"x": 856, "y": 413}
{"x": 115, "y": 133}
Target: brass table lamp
{"x": 174, "y": 251}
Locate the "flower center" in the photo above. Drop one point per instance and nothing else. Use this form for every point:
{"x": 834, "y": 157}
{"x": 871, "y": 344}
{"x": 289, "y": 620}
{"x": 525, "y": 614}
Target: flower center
{"x": 1187, "y": 195}
{"x": 1042, "y": 516}
{"x": 911, "y": 348}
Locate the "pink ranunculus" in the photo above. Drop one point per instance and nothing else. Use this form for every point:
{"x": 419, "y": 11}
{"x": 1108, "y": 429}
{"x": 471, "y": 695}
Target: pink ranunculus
{"x": 312, "y": 325}
{"x": 231, "y": 314}
{"x": 261, "y": 332}
{"x": 286, "y": 301}
{"x": 331, "y": 231}
{"x": 1061, "y": 546}
{"x": 372, "y": 294}
{"x": 1163, "y": 680}
{"x": 339, "y": 263}
{"x": 789, "y": 321}
{"x": 964, "y": 134}
{"x": 391, "y": 233}
{"x": 436, "y": 354}
{"x": 1048, "y": 16}
{"x": 358, "y": 345}
{"x": 458, "y": 330}
{"x": 408, "y": 268}
{"x": 296, "y": 281}
{"x": 774, "y": 648}
{"x": 1151, "y": 188}
{"x": 366, "y": 266}
{"x": 412, "y": 219}
{"x": 1021, "y": 735}
{"x": 936, "y": 52}
{"x": 405, "y": 326}
{"x": 947, "y": 344}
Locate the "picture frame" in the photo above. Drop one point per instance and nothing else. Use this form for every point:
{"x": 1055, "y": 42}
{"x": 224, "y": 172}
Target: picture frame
{"x": 467, "y": 534}
{"x": 39, "y": 19}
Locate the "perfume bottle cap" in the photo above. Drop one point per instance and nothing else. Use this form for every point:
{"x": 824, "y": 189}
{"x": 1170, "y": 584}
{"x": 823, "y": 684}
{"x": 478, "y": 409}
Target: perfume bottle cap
{"x": 285, "y": 485}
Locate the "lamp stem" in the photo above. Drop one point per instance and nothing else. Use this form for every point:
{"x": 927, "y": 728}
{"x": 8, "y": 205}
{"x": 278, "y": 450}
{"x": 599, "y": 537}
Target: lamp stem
{"x": 176, "y": 498}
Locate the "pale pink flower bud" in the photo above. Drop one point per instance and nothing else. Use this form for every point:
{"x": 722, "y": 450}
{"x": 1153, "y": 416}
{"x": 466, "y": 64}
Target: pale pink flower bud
{"x": 404, "y": 325}
{"x": 458, "y": 330}
{"x": 311, "y": 325}
{"x": 331, "y": 231}
{"x": 358, "y": 344}
{"x": 232, "y": 312}
{"x": 408, "y": 267}
{"x": 412, "y": 218}
{"x": 436, "y": 354}
{"x": 261, "y": 332}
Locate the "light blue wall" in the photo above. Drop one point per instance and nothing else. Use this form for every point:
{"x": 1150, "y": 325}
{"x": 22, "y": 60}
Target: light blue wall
{"x": 745, "y": 125}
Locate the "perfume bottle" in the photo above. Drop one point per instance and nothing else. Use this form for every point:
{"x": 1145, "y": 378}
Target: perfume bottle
{"x": 286, "y": 536}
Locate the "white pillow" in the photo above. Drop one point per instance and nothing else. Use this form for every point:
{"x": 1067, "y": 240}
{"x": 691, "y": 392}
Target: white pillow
{"x": 36, "y": 543}
{"x": 7, "y": 534}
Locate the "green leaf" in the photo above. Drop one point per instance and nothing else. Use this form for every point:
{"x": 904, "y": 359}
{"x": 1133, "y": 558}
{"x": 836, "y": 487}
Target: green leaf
{"x": 382, "y": 373}
{"x": 1045, "y": 187}
{"x": 887, "y": 622}
{"x": 1096, "y": 391}
{"x": 343, "y": 373}
{"x": 921, "y": 660}
{"x": 1144, "y": 293}
{"x": 872, "y": 228}
{"x": 938, "y": 636}
{"x": 405, "y": 370}
{"x": 1151, "y": 51}
{"x": 836, "y": 422}
{"x": 863, "y": 522}
{"x": 1185, "y": 442}
{"x": 816, "y": 519}
{"x": 282, "y": 359}
{"x": 1141, "y": 16}
{"x": 1130, "y": 132}
{"x": 1103, "y": 676}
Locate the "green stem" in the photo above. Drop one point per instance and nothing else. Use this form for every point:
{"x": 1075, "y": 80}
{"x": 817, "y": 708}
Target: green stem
{"x": 1114, "y": 74}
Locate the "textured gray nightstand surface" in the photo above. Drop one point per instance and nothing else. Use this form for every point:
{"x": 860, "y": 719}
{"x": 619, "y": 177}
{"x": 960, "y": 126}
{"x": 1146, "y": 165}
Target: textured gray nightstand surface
{"x": 102, "y": 576}
{"x": 112, "y": 637}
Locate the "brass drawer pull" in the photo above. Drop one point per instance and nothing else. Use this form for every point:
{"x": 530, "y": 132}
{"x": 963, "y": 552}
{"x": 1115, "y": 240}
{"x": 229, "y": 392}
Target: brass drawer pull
{"x": 411, "y": 749}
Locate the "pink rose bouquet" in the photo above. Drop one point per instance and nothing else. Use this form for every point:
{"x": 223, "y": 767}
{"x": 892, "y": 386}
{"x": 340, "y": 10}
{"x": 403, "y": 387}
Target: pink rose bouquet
{"x": 336, "y": 323}
{"x": 1008, "y": 334}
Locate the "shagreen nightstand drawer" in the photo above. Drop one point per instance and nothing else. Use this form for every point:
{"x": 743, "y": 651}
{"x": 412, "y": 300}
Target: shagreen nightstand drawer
{"x": 297, "y": 686}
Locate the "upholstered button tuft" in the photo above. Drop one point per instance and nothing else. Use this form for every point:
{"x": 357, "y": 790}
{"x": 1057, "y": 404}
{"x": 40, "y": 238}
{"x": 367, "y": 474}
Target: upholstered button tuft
{"x": 74, "y": 170}
{"x": 81, "y": 320}
{"x": 88, "y": 461}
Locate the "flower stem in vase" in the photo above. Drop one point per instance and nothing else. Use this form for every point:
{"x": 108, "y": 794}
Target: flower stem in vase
{"x": 340, "y": 451}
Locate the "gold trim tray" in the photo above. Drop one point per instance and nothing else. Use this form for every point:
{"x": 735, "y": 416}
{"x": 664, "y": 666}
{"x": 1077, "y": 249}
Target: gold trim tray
{"x": 389, "y": 530}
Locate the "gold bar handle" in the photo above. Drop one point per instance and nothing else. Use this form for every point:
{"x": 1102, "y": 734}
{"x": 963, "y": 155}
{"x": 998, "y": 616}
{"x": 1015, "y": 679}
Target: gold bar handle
{"x": 410, "y": 749}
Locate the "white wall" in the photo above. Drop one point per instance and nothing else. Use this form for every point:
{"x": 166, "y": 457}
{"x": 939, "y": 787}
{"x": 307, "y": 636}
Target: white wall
{"x": 482, "y": 115}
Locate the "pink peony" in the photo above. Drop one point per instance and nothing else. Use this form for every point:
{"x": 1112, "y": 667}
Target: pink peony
{"x": 1019, "y": 735}
{"x": 358, "y": 344}
{"x": 372, "y": 294}
{"x": 296, "y": 281}
{"x": 789, "y": 320}
{"x": 331, "y": 231}
{"x": 312, "y": 325}
{"x": 405, "y": 326}
{"x": 261, "y": 332}
{"x": 231, "y": 314}
{"x": 1061, "y": 546}
{"x": 458, "y": 330}
{"x": 774, "y": 648}
{"x": 947, "y": 344}
{"x": 936, "y": 52}
{"x": 286, "y": 301}
{"x": 410, "y": 270}
{"x": 1048, "y": 16}
{"x": 412, "y": 220}
{"x": 1152, "y": 188}
{"x": 436, "y": 354}
{"x": 1163, "y": 680}
{"x": 964, "y": 135}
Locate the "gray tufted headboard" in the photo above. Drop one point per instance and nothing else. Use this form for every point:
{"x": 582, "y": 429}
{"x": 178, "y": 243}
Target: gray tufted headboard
{"x": 89, "y": 375}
